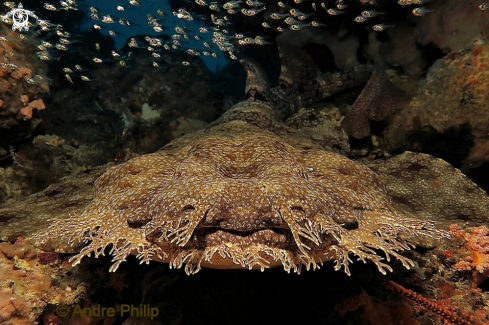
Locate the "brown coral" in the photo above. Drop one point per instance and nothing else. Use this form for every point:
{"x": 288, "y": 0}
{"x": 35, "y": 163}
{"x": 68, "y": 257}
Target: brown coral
{"x": 237, "y": 196}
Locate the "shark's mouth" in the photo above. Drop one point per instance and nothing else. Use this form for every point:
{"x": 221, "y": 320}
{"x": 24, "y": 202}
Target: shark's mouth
{"x": 243, "y": 227}
{"x": 272, "y": 237}
{"x": 225, "y": 247}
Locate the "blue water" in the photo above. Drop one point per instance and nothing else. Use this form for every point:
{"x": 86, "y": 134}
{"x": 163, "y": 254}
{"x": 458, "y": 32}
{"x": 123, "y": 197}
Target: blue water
{"x": 137, "y": 14}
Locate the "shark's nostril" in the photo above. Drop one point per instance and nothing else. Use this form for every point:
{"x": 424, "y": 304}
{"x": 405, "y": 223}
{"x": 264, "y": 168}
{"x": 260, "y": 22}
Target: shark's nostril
{"x": 188, "y": 208}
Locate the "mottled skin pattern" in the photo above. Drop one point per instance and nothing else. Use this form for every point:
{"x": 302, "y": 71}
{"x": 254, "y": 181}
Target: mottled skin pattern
{"x": 238, "y": 196}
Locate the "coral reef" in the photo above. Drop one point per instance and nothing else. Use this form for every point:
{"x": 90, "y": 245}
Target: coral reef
{"x": 146, "y": 99}
{"x": 403, "y": 50}
{"x": 85, "y": 136}
{"x": 12, "y": 185}
{"x": 454, "y": 95}
{"x": 133, "y": 116}
{"x": 28, "y": 109}
{"x": 445, "y": 313}
{"x": 475, "y": 251}
{"x": 301, "y": 82}
{"x": 29, "y": 282}
{"x": 444, "y": 287}
{"x": 95, "y": 122}
{"x": 344, "y": 50}
{"x": 451, "y": 278}
{"x": 46, "y": 160}
{"x": 20, "y": 86}
{"x": 117, "y": 121}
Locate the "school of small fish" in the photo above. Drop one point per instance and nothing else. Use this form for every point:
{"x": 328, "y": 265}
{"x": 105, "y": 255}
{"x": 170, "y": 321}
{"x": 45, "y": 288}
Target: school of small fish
{"x": 215, "y": 38}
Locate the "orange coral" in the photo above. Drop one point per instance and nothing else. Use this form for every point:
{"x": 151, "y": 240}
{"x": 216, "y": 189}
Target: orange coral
{"x": 20, "y": 64}
{"x": 20, "y": 72}
{"x": 477, "y": 245}
{"x": 36, "y": 104}
{"x": 24, "y": 99}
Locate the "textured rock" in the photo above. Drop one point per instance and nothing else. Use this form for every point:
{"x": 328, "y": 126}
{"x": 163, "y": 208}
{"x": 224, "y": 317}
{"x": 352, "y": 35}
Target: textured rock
{"x": 379, "y": 101}
{"x": 455, "y": 94}
{"x": 453, "y": 25}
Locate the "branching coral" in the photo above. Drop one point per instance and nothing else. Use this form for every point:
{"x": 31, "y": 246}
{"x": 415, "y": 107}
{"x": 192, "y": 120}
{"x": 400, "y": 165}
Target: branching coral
{"x": 432, "y": 306}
